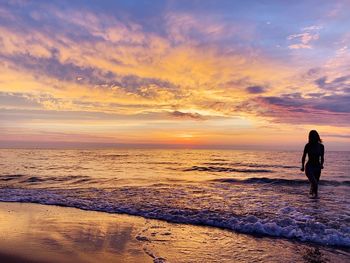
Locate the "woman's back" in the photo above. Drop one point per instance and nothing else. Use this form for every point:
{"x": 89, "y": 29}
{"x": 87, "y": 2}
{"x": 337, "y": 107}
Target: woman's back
{"x": 314, "y": 152}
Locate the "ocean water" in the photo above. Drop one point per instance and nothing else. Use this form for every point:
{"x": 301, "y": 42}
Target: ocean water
{"x": 253, "y": 192}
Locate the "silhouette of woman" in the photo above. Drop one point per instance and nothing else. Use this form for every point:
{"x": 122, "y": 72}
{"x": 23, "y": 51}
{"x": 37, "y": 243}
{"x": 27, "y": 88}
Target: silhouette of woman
{"x": 314, "y": 149}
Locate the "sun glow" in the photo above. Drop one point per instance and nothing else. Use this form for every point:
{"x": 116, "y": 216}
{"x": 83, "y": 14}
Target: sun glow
{"x": 185, "y": 136}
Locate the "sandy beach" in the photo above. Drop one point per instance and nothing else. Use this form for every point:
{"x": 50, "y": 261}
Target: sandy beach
{"x": 40, "y": 233}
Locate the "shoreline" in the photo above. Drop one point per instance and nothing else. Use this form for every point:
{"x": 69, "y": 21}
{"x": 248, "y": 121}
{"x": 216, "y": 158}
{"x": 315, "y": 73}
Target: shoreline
{"x": 47, "y": 233}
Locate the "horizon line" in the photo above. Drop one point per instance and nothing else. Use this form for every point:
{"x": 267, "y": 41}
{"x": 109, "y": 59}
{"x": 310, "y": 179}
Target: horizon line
{"x": 104, "y": 145}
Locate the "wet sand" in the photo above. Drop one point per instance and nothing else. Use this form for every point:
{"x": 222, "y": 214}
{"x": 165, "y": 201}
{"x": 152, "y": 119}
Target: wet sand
{"x": 56, "y": 234}
{"x": 40, "y": 233}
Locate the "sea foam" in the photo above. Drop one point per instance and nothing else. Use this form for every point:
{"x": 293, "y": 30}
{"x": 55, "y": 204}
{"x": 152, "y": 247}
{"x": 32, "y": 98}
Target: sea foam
{"x": 288, "y": 222}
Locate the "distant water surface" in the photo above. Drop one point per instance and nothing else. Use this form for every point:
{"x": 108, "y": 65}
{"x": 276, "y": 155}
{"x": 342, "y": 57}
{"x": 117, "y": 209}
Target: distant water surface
{"x": 254, "y": 192}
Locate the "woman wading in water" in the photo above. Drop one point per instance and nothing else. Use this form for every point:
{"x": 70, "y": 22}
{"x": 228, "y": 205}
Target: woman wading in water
{"x": 314, "y": 149}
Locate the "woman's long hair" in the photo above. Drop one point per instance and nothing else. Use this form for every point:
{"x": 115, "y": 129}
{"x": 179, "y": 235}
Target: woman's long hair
{"x": 314, "y": 137}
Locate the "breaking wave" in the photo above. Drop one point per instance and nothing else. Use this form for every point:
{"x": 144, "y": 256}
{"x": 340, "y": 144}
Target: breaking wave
{"x": 279, "y": 181}
{"x": 226, "y": 169}
{"x": 287, "y": 222}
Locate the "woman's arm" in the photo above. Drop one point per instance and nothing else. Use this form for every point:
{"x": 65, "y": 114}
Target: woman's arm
{"x": 303, "y": 159}
{"x": 322, "y": 155}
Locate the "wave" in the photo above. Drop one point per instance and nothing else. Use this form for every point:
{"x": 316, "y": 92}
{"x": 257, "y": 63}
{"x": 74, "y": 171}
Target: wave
{"x": 34, "y": 179}
{"x": 170, "y": 163}
{"x": 279, "y": 181}
{"x": 286, "y": 222}
{"x": 253, "y": 165}
{"x": 25, "y": 179}
{"x": 65, "y": 167}
{"x": 113, "y": 155}
{"x": 10, "y": 177}
{"x": 226, "y": 169}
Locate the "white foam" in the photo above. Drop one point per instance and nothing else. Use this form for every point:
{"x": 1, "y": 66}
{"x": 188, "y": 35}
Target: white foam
{"x": 288, "y": 223}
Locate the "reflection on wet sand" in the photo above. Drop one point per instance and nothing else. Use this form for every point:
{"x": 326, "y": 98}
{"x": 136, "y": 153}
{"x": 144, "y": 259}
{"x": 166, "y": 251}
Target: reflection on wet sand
{"x": 46, "y": 234}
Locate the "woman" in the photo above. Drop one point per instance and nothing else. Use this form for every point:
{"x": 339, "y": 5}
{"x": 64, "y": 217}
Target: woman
{"x": 315, "y": 151}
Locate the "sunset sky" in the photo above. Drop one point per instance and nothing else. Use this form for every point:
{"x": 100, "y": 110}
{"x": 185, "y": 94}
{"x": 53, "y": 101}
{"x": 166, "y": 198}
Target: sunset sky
{"x": 244, "y": 74}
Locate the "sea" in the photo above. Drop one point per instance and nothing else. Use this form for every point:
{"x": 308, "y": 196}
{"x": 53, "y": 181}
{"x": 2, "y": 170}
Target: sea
{"x": 259, "y": 193}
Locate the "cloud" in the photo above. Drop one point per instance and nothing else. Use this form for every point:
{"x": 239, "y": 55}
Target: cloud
{"x": 313, "y": 71}
{"x": 189, "y": 28}
{"x": 255, "y": 89}
{"x": 312, "y": 28}
{"x": 21, "y": 115}
{"x": 53, "y": 67}
{"x": 18, "y": 100}
{"x": 91, "y": 76}
{"x": 303, "y": 40}
{"x": 299, "y": 46}
{"x": 94, "y": 60}
{"x": 294, "y": 108}
{"x": 341, "y": 83}
{"x": 149, "y": 87}
{"x": 60, "y": 75}
{"x": 186, "y": 115}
